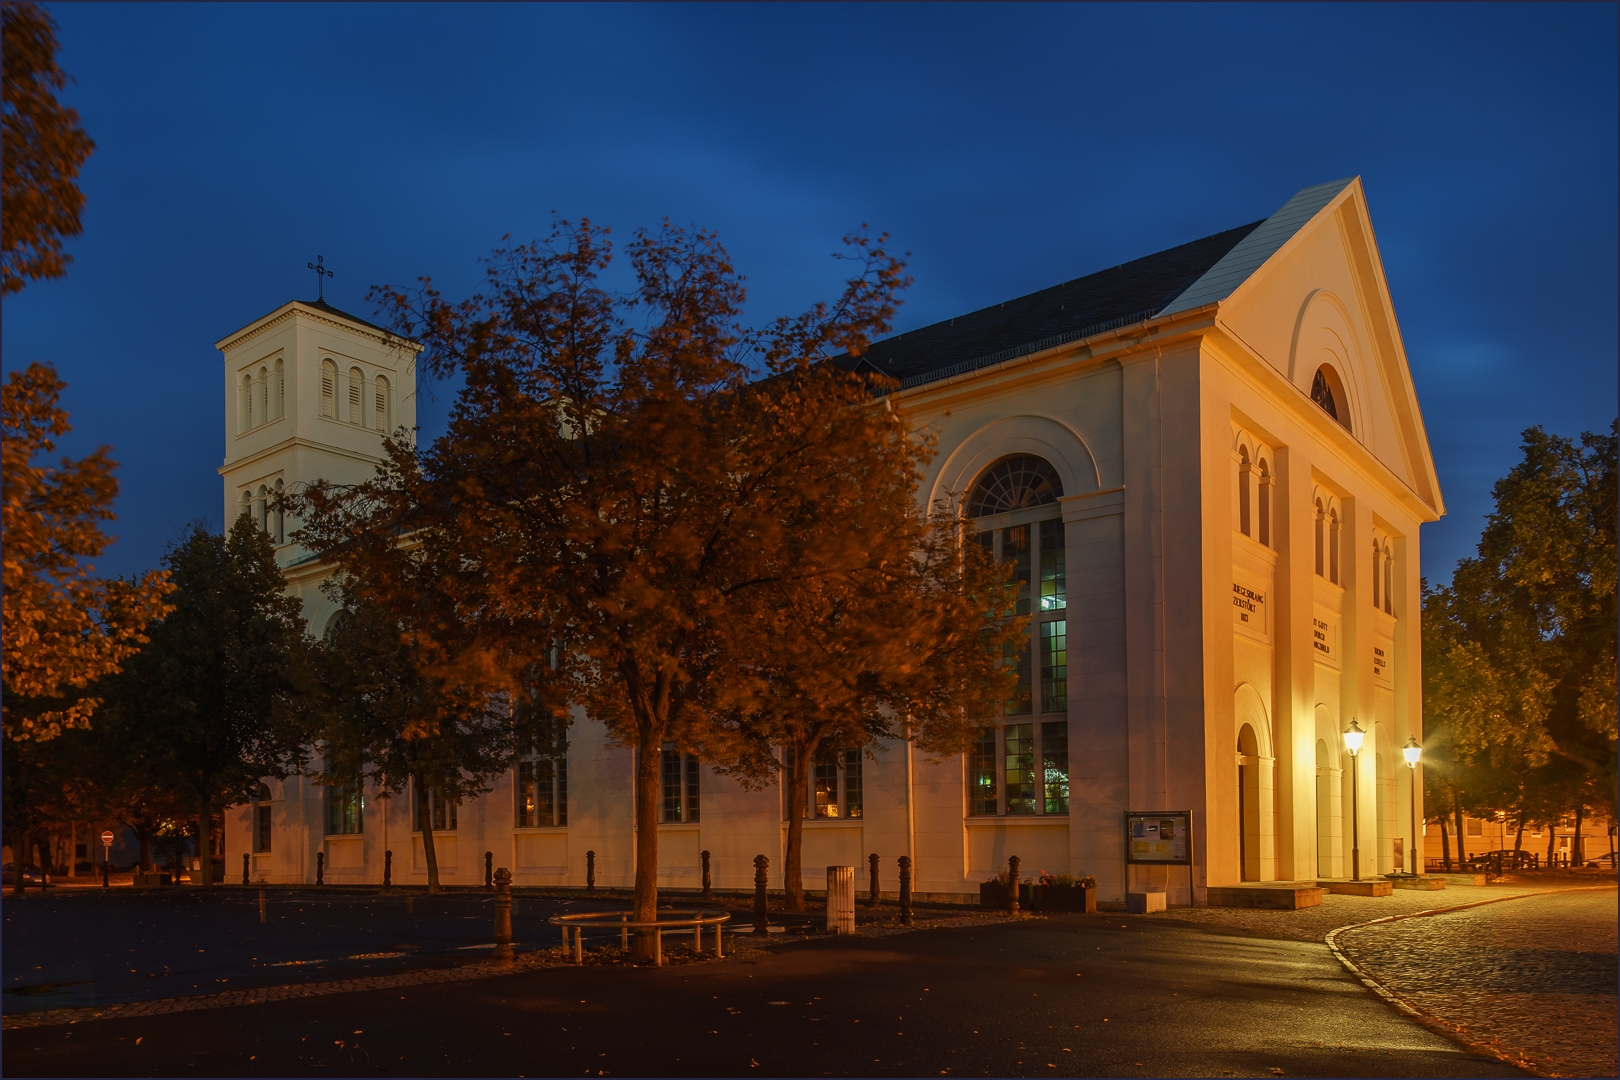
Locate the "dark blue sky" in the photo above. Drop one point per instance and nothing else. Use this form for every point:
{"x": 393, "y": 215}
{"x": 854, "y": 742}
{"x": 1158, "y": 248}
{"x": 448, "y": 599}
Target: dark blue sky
{"x": 1008, "y": 148}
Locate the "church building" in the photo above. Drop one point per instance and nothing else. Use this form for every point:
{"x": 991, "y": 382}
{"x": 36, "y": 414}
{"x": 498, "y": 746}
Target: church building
{"x": 1210, "y": 469}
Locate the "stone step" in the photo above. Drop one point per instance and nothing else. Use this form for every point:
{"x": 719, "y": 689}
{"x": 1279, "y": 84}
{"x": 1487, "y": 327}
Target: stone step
{"x": 1461, "y": 879}
{"x": 1367, "y": 887}
{"x": 1273, "y": 896}
{"x": 1426, "y": 883}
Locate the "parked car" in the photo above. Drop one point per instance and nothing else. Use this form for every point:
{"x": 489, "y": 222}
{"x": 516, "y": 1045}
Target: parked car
{"x": 8, "y": 874}
{"x": 1503, "y": 861}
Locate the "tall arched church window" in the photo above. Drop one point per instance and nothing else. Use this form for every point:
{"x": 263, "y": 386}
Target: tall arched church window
{"x": 1389, "y": 581}
{"x": 1377, "y": 577}
{"x": 244, "y": 403}
{"x": 382, "y": 402}
{"x": 357, "y": 392}
{"x": 1265, "y": 504}
{"x": 1244, "y": 469}
{"x": 329, "y": 389}
{"x": 1321, "y": 545}
{"x": 1333, "y": 546}
{"x": 1020, "y": 764}
{"x": 264, "y": 509}
{"x": 1327, "y": 390}
{"x": 246, "y": 504}
{"x": 278, "y": 391}
{"x": 264, "y": 394}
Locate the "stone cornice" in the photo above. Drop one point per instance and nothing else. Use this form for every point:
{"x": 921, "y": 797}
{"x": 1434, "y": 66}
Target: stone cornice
{"x": 284, "y": 444}
{"x": 292, "y": 309}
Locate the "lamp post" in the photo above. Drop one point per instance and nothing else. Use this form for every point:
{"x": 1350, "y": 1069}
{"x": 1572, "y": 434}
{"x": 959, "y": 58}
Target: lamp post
{"x": 1352, "y": 745}
{"x": 1412, "y": 751}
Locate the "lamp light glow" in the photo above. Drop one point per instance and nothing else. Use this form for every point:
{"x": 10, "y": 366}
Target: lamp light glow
{"x": 1353, "y": 735}
{"x": 1412, "y": 751}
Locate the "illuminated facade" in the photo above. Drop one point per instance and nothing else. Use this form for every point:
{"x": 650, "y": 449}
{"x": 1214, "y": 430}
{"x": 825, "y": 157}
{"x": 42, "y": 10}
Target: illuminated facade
{"x": 1210, "y": 468}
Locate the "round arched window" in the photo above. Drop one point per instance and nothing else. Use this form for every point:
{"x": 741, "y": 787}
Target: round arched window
{"x": 1015, "y": 483}
{"x": 1328, "y": 392}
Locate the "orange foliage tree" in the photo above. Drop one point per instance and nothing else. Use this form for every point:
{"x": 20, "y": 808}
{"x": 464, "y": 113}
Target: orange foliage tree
{"x": 63, "y": 627}
{"x": 44, "y": 148}
{"x": 618, "y": 497}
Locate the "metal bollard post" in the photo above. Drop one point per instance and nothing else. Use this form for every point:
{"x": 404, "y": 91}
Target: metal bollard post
{"x": 247, "y": 864}
{"x": 106, "y": 875}
{"x": 590, "y": 873}
{"x": 263, "y": 915}
{"x": 905, "y": 890}
{"x": 489, "y": 873}
{"x": 708, "y": 889}
{"x": 320, "y": 868}
{"x": 841, "y": 899}
{"x": 762, "y": 867}
{"x": 872, "y": 872}
{"x": 503, "y": 913}
{"x": 388, "y": 869}
{"x": 1012, "y": 885}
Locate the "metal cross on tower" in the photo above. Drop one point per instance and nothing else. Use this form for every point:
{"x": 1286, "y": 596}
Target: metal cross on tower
{"x": 321, "y": 273}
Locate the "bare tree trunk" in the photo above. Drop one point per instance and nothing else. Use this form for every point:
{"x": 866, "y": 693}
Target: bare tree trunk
{"x": 1578, "y": 845}
{"x": 1462, "y": 845}
{"x": 793, "y": 863}
{"x": 205, "y": 847}
{"x": 19, "y": 855}
{"x": 1445, "y": 843}
{"x": 645, "y": 902}
{"x": 424, "y": 810}
{"x": 1552, "y": 841}
{"x": 1518, "y": 838}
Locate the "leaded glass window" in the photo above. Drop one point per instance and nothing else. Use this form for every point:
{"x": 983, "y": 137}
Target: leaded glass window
{"x": 542, "y": 789}
{"x": 1020, "y": 768}
{"x": 1322, "y": 394}
{"x": 1054, "y": 665}
{"x": 982, "y": 773}
{"x": 344, "y": 804}
{"x": 1055, "y": 765}
{"x": 1015, "y": 483}
{"x": 824, "y": 787}
{"x": 680, "y": 786}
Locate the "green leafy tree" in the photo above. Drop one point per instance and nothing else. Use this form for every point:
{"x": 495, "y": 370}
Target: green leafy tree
{"x": 213, "y": 700}
{"x": 381, "y": 712}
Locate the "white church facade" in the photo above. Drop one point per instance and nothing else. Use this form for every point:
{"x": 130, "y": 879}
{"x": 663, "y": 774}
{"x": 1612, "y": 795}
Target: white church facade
{"x": 1210, "y": 468}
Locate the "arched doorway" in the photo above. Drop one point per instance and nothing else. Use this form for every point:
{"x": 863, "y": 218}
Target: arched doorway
{"x": 1248, "y": 749}
{"x": 1326, "y": 847}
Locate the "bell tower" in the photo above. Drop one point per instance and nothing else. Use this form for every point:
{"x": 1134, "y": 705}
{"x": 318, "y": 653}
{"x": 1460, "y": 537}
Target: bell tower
{"x": 310, "y": 394}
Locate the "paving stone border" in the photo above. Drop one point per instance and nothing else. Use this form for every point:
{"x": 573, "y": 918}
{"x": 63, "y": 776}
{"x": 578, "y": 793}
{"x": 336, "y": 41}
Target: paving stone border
{"x": 1421, "y": 1016}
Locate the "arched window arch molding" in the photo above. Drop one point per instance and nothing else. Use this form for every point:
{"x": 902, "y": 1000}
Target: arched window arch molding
{"x": 244, "y": 403}
{"x": 1324, "y": 327}
{"x": 278, "y": 389}
{"x": 1328, "y": 537}
{"x": 1044, "y": 437}
{"x": 329, "y": 388}
{"x": 1249, "y": 707}
{"x": 1254, "y": 477}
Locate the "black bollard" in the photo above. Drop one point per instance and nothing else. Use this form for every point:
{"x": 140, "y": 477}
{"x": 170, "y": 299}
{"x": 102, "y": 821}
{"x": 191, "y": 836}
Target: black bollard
{"x": 590, "y": 873}
{"x": 905, "y": 890}
{"x": 320, "y": 868}
{"x": 106, "y": 875}
{"x": 871, "y": 869}
{"x": 762, "y": 868}
{"x": 708, "y": 885}
{"x": 388, "y": 868}
{"x": 1012, "y": 885}
{"x": 489, "y": 869}
{"x": 502, "y": 880}
{"x": 247, "y": 863}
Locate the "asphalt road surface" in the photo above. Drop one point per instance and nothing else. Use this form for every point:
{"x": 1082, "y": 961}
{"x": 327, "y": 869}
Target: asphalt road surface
{"x": 1068, "y": 995}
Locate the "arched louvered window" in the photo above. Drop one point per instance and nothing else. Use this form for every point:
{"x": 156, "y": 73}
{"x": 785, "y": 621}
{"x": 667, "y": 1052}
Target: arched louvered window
{"x": 244, "y": 403}
{"x": 357, "y": 392}
{"x": 264, "y": 394}
{"x": 246, "y": 503}
{"x": 1321, "y": 541}
{"x": 384, "y": 418}
{"x": 278, "y": 391}
{"x": 1015, "y": 483}
{"x": 1377, "y": 576}
{"x": 329, "y": 389}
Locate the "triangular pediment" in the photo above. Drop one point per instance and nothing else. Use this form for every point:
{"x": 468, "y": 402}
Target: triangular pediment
{"x": 1311, "y": 291}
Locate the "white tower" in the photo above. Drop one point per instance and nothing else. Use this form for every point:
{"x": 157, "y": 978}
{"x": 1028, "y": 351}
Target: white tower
{"x": 310, "y": 393}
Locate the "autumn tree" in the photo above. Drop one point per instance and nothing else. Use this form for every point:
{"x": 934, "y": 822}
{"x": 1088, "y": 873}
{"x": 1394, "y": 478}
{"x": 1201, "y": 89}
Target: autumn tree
{"x": 1519, "y": 651}
{"x": 215, "y": 697}
{"x": 44, "y": 147}
{"x": 383, "y": 710}
{"x": 612, "y": 491}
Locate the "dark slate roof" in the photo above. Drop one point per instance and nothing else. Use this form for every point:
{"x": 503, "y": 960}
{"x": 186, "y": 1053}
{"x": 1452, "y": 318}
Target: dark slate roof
{"x": 322, "y": 305}
{"x": 1109, "y": 299}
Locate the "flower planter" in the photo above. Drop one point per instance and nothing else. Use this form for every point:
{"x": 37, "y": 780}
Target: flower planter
{"x": 993, "y": 896}
{"x": 1061, "y": 898}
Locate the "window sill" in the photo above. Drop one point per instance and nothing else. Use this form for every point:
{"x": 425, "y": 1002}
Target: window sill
{"x": 828, "y": 823}
{"x": 678, "y": 826}
{"x": 346, "y": 836}
{"x": 1026, "y": 819}
{"x": 536, "y": 829}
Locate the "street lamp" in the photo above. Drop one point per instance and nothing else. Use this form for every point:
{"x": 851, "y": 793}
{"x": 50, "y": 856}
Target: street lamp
{"x": 1352, "y": 745}
{"x": 1412, "y": 751}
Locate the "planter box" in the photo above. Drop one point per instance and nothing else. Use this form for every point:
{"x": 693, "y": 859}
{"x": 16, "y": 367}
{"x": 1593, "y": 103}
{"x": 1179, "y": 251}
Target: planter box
{"x": 1059, "y": 898}
{"x": 993, "y": 896}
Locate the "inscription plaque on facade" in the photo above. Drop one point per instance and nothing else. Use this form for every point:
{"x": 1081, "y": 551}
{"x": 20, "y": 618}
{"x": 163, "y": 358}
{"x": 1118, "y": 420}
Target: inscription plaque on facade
{"x": 1382, "y": 651}
{"x": 1322, "y": 639}
{"x": 1249, "y": 609}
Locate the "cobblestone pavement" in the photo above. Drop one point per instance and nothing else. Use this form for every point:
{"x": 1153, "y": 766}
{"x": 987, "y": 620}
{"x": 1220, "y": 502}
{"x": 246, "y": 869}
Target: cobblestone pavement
{"x": 1314, "y": 923}
{"x": 1532, "y": 979}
